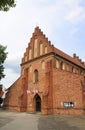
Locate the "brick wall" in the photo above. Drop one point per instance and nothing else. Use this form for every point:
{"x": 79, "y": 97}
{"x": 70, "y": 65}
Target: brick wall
{"x": 67, "y": 88}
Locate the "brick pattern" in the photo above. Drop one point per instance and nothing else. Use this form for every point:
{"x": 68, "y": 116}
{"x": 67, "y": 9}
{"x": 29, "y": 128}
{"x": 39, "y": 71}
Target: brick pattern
{"x": 55, "y": 85}
{"x": 67, "y": 88}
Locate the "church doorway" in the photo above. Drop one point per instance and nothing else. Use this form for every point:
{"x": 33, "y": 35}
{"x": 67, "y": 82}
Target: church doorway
{"x": 37, "y": 103}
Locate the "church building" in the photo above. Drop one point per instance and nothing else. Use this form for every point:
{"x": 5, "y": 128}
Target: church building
{"x": 51, "y": 81}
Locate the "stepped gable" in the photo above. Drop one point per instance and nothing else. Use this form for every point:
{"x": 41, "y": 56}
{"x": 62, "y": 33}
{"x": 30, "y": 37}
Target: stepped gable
{"x": 38, "y": 34}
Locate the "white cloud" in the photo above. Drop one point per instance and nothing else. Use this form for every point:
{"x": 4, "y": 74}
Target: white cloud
{"x": 14, "y": 57}
{"x": 71, "y": 2}
{"x": 74, "y": 31}
{"x": 76, "y": 15}
{"x": 75, "y": 11}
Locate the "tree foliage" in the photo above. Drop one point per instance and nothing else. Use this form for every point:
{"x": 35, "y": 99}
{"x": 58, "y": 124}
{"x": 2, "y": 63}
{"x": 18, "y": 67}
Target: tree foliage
{"x": 6, "y": 4}
{"x": 3, "y": 56}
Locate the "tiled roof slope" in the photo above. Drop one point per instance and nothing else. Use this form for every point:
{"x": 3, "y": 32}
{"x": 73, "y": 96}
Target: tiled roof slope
{"x": 74, "y": 60}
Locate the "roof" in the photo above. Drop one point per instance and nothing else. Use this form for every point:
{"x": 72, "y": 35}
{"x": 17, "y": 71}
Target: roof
{"x": 74, "y": 60}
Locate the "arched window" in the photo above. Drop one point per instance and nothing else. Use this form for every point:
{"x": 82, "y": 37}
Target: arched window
{"x": 74, "y": 70}
{"x": 57, "y": 64}
{"x": 63, "y": 66}
{"x": 35, "y": 76}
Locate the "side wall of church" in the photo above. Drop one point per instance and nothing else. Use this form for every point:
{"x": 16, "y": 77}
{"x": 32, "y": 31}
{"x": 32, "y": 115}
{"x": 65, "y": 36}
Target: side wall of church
{"x": 67, "y": 93}
{"x": 14, "y": 96}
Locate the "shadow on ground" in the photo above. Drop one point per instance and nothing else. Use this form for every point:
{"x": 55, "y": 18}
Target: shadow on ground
{"x": 54, "y": 123}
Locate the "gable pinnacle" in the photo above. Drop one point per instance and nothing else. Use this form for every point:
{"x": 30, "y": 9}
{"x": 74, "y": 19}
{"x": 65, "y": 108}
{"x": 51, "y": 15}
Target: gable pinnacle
{"x": 37, "y": 29}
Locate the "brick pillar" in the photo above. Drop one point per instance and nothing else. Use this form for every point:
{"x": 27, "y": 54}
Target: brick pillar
{"x": 48, "y": 95}
{"x": 24, "y": 89}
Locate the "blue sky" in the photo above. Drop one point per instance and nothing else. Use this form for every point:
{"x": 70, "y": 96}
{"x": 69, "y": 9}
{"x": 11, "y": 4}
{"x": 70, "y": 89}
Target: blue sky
{"x": 63, "y": 22}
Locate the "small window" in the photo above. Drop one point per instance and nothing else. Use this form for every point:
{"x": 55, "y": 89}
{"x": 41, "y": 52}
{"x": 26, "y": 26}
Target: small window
{"x": 74, "y": 70}
{"x": 63, "y": 66}
{"x": 35, "y": 76}
{"x": 57, "y": 64}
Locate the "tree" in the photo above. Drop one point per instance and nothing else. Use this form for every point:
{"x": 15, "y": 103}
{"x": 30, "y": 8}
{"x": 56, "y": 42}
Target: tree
{"x": 3, "y": 56}
{"x": 6, "y": 4}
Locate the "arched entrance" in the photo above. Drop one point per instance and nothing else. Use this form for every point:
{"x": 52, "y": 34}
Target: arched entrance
{"x": 37, "y": 103}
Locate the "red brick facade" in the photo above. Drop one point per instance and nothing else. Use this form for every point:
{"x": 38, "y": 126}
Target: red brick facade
{"x": 51, "y": 81}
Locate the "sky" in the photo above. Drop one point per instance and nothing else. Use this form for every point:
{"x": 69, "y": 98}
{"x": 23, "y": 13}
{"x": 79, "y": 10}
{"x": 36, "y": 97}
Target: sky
{"x": 62, "y": 21}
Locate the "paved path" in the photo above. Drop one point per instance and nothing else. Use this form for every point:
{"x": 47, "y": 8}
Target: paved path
{"x": 24, "y": 121}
